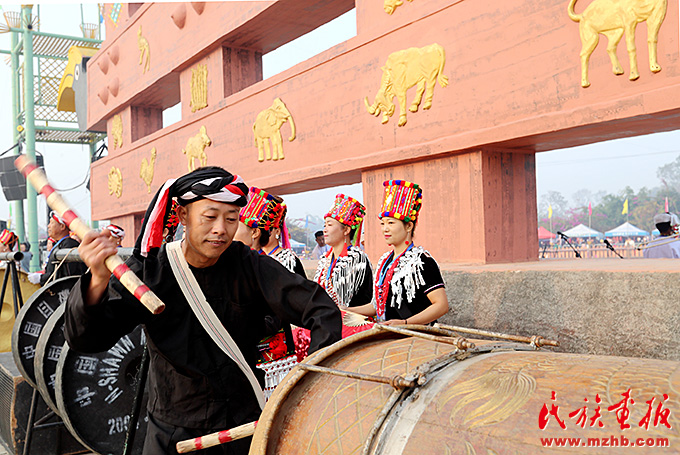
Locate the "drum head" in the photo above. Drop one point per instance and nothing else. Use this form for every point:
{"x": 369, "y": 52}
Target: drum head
{"x": 95, "y": 393}
{"x": 31, "y": 320}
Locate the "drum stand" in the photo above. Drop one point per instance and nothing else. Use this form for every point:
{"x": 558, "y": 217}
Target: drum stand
{"x": 11, "y": 271}
{"x": 142, "y": 373}
{"x": 41, "y": 423}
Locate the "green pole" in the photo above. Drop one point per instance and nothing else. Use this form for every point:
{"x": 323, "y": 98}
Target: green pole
{"x": 94, "y": 223}
{"x": 18, "y": 211}
{"x": 29, "y": 115}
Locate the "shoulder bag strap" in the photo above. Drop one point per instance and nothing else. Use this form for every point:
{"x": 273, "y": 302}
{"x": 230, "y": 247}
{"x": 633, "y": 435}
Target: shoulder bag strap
{"x": 206, "y": 315}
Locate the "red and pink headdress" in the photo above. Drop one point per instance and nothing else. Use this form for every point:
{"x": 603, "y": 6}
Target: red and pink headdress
{"x": 349, "y": 212}
{"x": 402, "y": 200}
{"x": 265, "y": 211}
{"x": 8, "y": 238}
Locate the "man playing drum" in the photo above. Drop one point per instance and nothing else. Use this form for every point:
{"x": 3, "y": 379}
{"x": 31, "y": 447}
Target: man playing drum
{"x": 195, "y": 386}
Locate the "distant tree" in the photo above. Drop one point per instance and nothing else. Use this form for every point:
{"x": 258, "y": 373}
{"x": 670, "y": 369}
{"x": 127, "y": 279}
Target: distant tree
{"x": 556, "y": 200}
{"x": 584, "y": 196}
{"x": 669, "y": 174}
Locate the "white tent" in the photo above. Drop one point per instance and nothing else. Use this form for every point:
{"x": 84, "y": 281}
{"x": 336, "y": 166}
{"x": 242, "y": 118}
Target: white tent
{"x": 626, "y": 230}
{"x": 583, "y": 231}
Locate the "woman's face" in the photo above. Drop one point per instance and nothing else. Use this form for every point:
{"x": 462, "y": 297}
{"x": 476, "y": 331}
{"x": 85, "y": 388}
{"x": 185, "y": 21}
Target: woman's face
{"x": 334, "y": 232}
{"x": 4, "y": 248}
{"x": 244, "y": 234}
{"x": 394, "y": 231}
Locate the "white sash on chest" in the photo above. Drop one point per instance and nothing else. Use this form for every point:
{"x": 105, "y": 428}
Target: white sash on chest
{"x": 206, "y": 315}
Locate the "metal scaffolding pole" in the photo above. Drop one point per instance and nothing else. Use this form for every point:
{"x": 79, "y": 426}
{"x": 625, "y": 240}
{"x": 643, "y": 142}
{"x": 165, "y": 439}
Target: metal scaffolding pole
{"x": 93, "y": 149}
{"x": 29, "y": 123}
{"x": 18, "y": 213}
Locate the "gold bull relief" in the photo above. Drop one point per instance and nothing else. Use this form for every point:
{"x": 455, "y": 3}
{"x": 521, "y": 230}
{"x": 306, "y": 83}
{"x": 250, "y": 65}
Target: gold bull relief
{"x": 115, "y": 182}
{"x": 403, "y": 70}
{"x": 613, "y": 18}
{"x": 195, "y": 148}
{"x": 267, "y": 127}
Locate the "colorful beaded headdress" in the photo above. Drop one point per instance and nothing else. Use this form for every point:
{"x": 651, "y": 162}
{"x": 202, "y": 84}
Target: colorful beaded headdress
{"x": 9, "y": 238}
{"x": 349, "y": 212}
{"x": 264, "y": 211}
{"x": 402, "y": 200}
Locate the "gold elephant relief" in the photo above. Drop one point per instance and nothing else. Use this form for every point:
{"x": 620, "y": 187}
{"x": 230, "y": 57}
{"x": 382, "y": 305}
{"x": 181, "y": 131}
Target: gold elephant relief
{"x": 115, "y": 182}
{"x": 195, "y": 148}
{"x": 267, "y": 127}
{"x": 420, "y": 67}
{"x": 613, "y": 19}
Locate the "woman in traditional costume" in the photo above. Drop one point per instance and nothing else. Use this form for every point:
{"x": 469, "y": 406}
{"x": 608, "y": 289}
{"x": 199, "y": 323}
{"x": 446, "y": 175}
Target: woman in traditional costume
{"x": 262, "y": 223}
{"x": 8, "y": 241}
{"x": 262, "y": 226}
{"x": 409, "y": 288}
{"x": 345, "y": 271}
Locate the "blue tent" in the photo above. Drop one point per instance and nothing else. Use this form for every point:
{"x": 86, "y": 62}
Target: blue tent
{"x": 626, "y": 230}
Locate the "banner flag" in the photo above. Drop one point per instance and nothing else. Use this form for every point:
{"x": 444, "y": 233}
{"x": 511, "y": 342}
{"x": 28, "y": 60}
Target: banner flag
{"x": 625, "y": 207}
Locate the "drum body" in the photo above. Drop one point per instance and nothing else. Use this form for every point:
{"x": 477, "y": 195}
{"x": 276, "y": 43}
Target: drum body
{"x": 487, "y": 400}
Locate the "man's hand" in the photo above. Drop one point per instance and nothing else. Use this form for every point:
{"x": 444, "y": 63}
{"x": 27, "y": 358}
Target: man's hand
{"x": 94, "y": 249}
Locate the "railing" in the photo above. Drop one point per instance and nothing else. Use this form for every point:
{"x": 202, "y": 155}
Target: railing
{"x": 588, "y": 252}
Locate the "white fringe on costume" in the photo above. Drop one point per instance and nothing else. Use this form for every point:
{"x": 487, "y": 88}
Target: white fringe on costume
{"x": 287, "y": 258}
{"x": 408, "y": 275}
{"x": 347, "y": 276}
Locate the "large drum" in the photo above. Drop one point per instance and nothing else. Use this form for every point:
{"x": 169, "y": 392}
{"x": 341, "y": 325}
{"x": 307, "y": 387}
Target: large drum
{"x": 441, "y": 397}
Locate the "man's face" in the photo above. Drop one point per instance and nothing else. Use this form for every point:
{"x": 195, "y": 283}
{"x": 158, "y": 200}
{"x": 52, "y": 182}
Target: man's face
{"x": 22, "y": 247}
{"x": 210, "y": 228}
{"x": 320, "y": 241}
{"x": 56, "y": 230}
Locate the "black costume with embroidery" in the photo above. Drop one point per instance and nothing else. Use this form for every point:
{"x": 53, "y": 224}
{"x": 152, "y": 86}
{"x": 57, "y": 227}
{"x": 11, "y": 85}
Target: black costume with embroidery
{"x": 192, "y": 383}
{"x": 415, "y": 275}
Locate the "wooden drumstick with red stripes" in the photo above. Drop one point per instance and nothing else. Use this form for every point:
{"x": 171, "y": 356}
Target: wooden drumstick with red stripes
{"x": 37, "y": 178}
{"x": 215, "y": 439}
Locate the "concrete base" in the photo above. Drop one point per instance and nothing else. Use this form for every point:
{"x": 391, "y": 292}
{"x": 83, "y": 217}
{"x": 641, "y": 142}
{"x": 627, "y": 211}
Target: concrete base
{"x": 600, "y": 306}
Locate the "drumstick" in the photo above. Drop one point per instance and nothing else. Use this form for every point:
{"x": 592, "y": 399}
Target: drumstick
{"x": 114, "y": 263}
{"x": 215, "y": 439}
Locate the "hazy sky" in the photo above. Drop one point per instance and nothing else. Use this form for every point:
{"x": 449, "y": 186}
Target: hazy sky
{"x": 607, "y": 166}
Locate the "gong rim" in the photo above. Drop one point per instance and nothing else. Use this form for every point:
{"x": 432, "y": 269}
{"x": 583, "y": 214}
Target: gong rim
{"x": 19, "y": 337}
{"x": 54, "y": 323}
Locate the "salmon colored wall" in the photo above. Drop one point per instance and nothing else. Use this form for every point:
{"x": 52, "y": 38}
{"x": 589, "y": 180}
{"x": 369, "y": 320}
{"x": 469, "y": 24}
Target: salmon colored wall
{"x": 514, "y": 85}
{"x": 476, "y": 206}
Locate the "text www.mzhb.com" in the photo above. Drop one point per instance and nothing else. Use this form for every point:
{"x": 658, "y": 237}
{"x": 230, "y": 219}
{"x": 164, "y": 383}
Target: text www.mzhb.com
{"x": 612, "y": 441}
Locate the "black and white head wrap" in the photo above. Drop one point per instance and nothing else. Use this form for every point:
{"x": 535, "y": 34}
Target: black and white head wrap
{"x": 212, "y": 183}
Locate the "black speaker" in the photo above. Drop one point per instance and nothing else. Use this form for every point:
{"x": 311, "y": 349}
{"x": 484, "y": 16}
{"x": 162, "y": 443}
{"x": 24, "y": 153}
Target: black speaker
{"x": 13, "y": 183}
